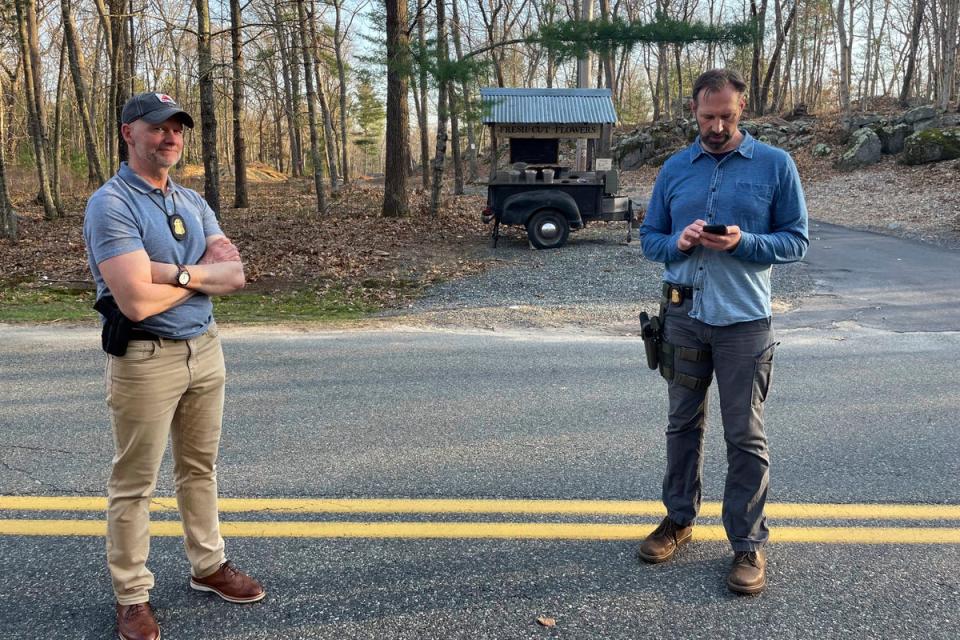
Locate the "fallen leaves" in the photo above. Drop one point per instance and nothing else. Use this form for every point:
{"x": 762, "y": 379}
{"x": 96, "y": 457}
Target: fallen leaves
{"x": 287, "y": 246}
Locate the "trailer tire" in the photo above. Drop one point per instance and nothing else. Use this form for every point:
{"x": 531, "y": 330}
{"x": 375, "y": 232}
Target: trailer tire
{"x": 548, "y": 229}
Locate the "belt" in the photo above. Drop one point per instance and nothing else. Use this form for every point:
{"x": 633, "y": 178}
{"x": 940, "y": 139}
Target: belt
{"x": 140, "y": 334}
{"x": 677, "y": 293}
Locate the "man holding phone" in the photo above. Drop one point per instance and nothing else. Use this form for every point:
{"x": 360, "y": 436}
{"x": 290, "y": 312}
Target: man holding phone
{"x": 722, "y": 212}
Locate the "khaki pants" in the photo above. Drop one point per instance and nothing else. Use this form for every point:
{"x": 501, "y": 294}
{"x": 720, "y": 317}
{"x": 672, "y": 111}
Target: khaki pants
{"x": 170, "y": 388}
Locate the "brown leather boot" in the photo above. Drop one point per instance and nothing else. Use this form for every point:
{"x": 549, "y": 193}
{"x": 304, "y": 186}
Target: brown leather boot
{"x": 748, "y": 574}
{"x": 230, "y": 584}
{"x": 136, "y": 622}
{"x": 664, "y": 541}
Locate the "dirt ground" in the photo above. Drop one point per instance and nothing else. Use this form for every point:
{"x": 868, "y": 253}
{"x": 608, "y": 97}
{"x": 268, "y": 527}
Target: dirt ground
{"x": 286, "y": 244}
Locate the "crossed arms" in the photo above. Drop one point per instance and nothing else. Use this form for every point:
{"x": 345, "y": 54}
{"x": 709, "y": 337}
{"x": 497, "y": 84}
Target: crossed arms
{"x": 143, "y": 288}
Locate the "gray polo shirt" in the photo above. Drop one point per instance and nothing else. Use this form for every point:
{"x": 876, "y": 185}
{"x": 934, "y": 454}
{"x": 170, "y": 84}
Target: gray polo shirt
{"x": 127, "y": 214}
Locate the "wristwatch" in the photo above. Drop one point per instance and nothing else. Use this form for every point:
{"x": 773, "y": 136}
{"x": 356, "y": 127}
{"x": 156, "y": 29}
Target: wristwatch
{"x": 183, "y": 276}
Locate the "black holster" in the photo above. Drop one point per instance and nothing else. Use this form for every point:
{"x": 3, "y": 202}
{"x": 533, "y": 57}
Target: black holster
{"x": 651, "y": 330}
{"x": 116, "y": 326}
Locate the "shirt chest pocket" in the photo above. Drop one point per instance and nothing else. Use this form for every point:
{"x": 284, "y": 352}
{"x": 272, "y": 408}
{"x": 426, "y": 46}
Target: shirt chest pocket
{"x": 751, "y": 205}
{"x": 755, "y": 190}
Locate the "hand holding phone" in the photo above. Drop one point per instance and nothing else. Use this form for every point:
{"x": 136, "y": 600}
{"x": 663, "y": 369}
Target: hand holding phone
{"x": 716, "y": 229}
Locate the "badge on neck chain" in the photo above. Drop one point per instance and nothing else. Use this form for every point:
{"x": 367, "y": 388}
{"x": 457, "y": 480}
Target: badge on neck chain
{"x": 177, "y": 226}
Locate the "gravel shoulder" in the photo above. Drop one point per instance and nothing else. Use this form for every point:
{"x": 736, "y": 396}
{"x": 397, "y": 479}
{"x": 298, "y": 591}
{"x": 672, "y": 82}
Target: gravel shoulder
{"x": 597, "y": 282}
{"x": 600, "y": 283}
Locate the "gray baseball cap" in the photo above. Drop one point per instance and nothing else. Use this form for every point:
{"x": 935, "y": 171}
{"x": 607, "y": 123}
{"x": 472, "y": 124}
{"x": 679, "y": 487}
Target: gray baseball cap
{"x": 154, "y": 108}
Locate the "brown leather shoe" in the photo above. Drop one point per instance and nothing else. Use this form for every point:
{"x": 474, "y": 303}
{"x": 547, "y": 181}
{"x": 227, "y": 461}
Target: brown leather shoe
{"x": 664, "y": 541}
{"x": 136, "y": 622}
{"x": 748, "y": 573}
{"x": 230, "y": 584}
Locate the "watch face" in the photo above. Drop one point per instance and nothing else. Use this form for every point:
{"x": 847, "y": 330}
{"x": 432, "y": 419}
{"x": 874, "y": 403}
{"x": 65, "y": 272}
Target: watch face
{"x": 183, "y": 278}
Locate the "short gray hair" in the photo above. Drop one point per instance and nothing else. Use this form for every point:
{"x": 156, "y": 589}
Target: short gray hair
{"x": 716, "y": 80}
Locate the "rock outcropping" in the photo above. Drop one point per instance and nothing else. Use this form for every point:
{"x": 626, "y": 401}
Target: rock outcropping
{"x": 654, "y": 143}
{"x": 898, "y": 134}
{"x": 921, "y": 134}
{"x": 932, "y": 145}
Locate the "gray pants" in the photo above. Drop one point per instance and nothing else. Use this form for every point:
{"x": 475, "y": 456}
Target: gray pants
{"x": 742, "y": 359}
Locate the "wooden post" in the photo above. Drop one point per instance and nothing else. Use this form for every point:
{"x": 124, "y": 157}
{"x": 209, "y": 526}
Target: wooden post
{"x": 493, "y": 154}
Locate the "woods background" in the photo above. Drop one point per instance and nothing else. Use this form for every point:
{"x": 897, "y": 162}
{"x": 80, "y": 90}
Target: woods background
{"x": 335, "y": 90}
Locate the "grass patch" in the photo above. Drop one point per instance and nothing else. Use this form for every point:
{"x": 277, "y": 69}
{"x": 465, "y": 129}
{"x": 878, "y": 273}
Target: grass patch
{"x": 22, "y": 304}
{"x": 34, "y": 305}
{"x": 290, "y": 306}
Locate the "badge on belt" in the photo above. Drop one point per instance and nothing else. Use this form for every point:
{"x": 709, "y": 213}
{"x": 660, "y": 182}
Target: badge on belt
{"x": 676, "y": 296}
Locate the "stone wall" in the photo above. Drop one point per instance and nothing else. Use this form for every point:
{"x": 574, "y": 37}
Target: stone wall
{"x": 653, "y": 144}
{"x": 868, "y": 137}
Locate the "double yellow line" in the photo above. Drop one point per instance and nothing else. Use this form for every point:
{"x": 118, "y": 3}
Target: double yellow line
{"x": 854, "y": 533}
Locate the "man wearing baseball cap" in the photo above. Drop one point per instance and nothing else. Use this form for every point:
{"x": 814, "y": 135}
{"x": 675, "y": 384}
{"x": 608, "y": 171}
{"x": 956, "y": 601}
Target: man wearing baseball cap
{"x": 157, "y": 255}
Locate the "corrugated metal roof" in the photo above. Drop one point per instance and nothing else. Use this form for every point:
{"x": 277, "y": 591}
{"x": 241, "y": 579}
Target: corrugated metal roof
{"x": 544, "y": 106}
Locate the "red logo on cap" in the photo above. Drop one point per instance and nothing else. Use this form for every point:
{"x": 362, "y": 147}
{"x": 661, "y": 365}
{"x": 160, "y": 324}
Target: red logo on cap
{"x": 162, "y": 97}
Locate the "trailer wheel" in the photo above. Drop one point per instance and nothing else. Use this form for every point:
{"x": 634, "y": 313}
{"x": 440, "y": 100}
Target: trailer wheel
{"x": 548, "y": 229}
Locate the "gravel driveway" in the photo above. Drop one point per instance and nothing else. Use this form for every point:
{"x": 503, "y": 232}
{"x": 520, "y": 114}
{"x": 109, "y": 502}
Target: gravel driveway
{"x": 596, "y": 281}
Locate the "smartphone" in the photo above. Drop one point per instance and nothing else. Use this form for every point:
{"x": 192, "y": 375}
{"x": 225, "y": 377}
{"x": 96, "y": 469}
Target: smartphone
{"x": 718, "y": 229}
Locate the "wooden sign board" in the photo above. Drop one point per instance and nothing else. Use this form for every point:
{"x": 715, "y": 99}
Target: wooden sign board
{"x": 547, "y": 130}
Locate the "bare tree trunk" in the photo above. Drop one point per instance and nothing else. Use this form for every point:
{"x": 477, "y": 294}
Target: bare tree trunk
{"x": 112, "y": 126}
{"x": 240, "y": 199}
{"x": 676, "y": 56}
{"x": 442, "y": 103}
{"x": 57, "y": 144}
{"x": 8, "y": 217}
{"x": 312, "y": 110}
{"x": 395, "y": 196}
{"x": 36, "y": 133}
{"x": 606, "y": 60}
{"x": 296, "y": 63}
{"x": 774, "y": 63}
{"x": 276, "y": 107}
{"x": 946, "y": 80}
{"x": 918, "y": 9}
{"x": 329, "y": 137}
{"x": 455, "y": 139}
{"x": 208, "y": 113}
{"x": 290, "y": 106}
{"x": 663, "y": 77}
{"x": 653, "y": 82}
{"x": 839, "y": 18}
{"x": 783, "y": 87}
{"x": 759, "y": 16}
{"x": 338, "y": 39}
{"x": 422, "y": 114}
{"x": 119, "y": 79}
{"x": 75, "y": 55}
{"x": 473, "y": 169}
{"x": 876, "y": 53}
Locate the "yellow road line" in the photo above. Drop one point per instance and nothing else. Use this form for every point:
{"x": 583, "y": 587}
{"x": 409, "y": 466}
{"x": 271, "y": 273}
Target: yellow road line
{"x": 785, "y": 511}
{"x": 490, "y": 530}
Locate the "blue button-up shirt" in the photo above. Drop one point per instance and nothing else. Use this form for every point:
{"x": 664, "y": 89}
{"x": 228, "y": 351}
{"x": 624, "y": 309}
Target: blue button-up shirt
{"x": 128, "y": 214}
{"x": 756, "y": 187}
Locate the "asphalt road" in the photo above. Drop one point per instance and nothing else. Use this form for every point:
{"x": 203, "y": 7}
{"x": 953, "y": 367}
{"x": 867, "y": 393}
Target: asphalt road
{"x": 863, "y": 411}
